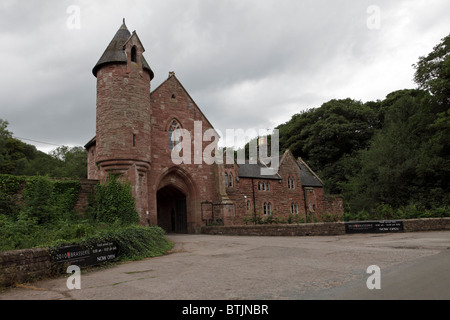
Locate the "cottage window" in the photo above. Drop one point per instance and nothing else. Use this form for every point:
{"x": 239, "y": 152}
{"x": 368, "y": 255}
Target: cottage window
{"x": 226, "y": 179}
{"x": 231, "y": 180}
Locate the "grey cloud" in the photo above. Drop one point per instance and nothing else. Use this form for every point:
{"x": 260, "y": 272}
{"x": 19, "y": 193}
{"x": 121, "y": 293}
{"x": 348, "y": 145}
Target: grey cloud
{"x": 245, "y": 63}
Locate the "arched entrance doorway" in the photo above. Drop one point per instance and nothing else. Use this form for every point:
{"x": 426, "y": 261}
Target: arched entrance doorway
{"x": 177, "y": 205}
{"x": 172, "y": 209}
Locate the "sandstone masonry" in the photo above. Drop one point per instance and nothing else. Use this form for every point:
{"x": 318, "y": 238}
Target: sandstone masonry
{"x": 134, "y": 127}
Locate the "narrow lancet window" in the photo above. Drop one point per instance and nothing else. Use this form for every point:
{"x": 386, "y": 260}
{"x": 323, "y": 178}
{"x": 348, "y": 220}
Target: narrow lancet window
{"x": 133, "y": 54}
{"x": 174, "y": 136}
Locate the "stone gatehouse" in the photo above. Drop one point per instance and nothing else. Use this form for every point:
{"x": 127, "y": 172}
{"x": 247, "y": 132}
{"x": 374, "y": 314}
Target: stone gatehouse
{"x": 134, "y": 127}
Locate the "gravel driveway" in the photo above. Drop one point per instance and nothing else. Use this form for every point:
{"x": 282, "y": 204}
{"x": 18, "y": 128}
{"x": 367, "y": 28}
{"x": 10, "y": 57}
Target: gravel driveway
{"x": 207, "y": 267}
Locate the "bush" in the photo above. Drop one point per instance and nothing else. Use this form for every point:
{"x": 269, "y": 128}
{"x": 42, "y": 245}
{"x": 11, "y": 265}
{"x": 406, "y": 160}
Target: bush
{"x": 134, "y": 242}
{"x": 387, "y": 212}
{"x": 9, "y": 189}
{"x": 46, "y": 217}
{"x": 114, "y": 203}
{"x": 330, "y": 217}
{"x": 39, "y": 200}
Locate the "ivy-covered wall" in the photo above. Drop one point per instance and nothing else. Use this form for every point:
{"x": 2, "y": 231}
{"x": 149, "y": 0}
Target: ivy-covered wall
{"x": 31, "y": 207}
{"x": 37, "y": 194}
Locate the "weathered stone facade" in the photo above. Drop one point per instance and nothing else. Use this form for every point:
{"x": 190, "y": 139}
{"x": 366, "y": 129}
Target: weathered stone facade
{"x": 133, "y": 131}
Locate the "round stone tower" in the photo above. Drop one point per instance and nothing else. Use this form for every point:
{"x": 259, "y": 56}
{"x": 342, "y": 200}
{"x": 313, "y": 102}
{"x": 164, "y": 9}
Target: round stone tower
{"x": 123, "y": 130}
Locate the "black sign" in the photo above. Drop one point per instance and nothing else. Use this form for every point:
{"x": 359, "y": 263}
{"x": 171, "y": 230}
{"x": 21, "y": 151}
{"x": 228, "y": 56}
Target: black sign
{"x": 86, "y": 256}
{"x": 382, "y": 226}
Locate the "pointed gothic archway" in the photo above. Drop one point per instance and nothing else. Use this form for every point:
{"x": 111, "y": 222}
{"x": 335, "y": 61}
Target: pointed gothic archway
{"x": 172, "y": 210}
{"x": 176, "y": 202}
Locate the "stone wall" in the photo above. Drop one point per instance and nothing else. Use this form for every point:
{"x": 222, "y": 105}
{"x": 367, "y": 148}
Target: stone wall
{"x": 308, "y": 229}
{"x": 318, "y": 229}
{"x": 430, "y": 224}
{"x": 86, "y": 190}
{"x": 20, "y": 266}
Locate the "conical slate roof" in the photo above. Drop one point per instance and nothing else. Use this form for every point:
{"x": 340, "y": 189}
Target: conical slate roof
{"x": 115, "y": 52}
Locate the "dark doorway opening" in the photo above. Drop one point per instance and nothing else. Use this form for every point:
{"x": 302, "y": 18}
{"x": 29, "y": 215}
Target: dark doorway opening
{"x": 172, "y": 210}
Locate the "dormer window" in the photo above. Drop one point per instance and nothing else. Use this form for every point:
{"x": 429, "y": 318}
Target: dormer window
{"x": 133, "y": 54}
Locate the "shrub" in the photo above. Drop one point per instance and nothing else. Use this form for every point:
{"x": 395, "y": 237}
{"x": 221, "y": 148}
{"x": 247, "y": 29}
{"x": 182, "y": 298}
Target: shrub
{"x": 134, "y": 242}
{"x": 294, "y": 219}
{"x": 115, "y": 203}
{"x": 46, "y": 217}
{"x": 39, "y": 201}
{"x": 330, "y": 217}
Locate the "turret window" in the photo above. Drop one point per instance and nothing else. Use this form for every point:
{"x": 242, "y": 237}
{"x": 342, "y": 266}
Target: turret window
{"x": 133, "y": 54}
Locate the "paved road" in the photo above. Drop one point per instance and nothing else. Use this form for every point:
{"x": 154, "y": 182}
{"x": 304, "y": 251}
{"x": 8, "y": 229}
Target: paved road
{"x": 412, "y": 266}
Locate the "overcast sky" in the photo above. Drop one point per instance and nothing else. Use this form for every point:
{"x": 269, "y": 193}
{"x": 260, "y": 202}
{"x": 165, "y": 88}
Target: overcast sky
{"x": 248, "y": 64}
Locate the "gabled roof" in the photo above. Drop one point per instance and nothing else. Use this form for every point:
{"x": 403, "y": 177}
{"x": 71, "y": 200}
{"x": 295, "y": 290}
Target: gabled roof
{"x": 254, "y": 171}
{"x": 309, "y": 178}
{"x": 134, "y": 34}
{"x": 115, "y": 52}
{"x": 173, "y": 77}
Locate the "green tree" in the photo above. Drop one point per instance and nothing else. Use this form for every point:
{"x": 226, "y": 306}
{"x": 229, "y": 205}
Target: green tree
{"x": 388, "y": 165}
{"x": 74, "y": 161}
{"x": 433, "y": 73}
{"x": 19, "y": 158}
{"x": 403, "y": 165}
{"x": 329, "y": 137}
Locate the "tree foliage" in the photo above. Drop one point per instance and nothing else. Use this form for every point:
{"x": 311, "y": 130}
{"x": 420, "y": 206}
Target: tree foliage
{"x": 329, "y": 137}
{"x": 394, "y": 152}
{"x": 19, "y": 158}
{"x": 433, "y": 73}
